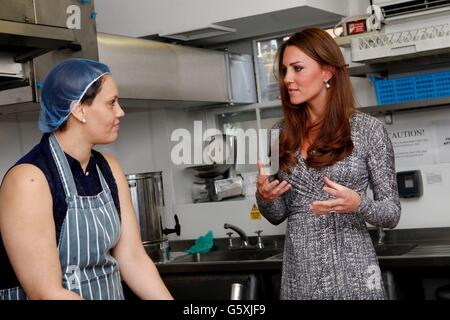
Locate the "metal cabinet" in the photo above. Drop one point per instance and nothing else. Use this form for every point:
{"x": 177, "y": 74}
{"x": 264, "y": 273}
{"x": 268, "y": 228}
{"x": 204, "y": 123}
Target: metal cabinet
{"x": 45, "y": 12}
{"x": 18, "y": 10}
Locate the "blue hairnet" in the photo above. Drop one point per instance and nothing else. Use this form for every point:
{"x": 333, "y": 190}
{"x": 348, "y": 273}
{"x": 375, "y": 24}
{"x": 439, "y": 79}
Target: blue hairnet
{"x": 64, "y": 86}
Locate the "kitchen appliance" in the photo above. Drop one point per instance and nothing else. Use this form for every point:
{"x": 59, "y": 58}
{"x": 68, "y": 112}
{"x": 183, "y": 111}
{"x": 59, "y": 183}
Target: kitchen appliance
{"x": 216, "y": 180}
{"x": 205, "y": 177}
{"x": 147, "y": 195}
{"x": 216, "y": 185}
{"x": 228, "y": 188}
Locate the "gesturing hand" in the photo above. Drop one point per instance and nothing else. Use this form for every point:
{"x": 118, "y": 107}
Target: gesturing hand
{"x": 345, "y": 200}
{"x": 269, "y": 191}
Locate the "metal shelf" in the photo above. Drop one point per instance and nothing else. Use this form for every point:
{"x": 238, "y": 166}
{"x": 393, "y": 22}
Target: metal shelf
{"x": 29, "y": 40}
{"x": 411, "y": 105}
{"x": 419, "y": 63}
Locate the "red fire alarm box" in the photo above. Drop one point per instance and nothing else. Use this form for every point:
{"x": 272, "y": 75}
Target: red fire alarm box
{"x": 355, "y": 27}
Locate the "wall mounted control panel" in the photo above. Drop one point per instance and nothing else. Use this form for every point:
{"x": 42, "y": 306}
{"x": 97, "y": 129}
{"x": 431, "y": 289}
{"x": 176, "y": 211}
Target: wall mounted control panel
{"x": 410, "y": 184}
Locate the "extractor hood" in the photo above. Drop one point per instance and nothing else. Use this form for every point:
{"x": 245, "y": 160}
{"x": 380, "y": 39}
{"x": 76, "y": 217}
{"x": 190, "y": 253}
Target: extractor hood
{"x": 34, "y": 37}
{"x": 155, "y": 74}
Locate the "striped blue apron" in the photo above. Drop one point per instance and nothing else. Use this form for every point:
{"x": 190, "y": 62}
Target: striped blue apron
{"x": 90, "y": 230}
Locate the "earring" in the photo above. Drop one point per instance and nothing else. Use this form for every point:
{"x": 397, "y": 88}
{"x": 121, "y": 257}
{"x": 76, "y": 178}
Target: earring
{"x": 327, "y": 85}
{"x": 83, "y": 120}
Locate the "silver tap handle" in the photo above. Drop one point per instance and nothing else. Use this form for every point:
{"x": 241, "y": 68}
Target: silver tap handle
{"x": 260, "y": 243}
{"x": 381, "y": 235}
{"x": 230, "y": 241}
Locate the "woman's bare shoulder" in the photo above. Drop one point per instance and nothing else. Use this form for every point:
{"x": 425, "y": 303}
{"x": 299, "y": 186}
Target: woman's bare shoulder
{"x": 25, "y": 192}
{"x": 24, "y": 177}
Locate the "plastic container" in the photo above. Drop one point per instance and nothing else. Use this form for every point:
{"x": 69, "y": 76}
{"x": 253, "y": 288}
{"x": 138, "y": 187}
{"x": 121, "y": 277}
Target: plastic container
{"x": 410, "y": 88}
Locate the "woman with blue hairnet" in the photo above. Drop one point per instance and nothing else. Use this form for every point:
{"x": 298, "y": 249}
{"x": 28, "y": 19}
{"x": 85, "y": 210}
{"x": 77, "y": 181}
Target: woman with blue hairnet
{"x": 66, "y": 218}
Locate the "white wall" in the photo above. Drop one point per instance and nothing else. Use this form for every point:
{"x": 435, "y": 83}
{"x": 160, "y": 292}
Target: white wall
{"x": 432, "y": 209}
{"x": 133, "y": 147}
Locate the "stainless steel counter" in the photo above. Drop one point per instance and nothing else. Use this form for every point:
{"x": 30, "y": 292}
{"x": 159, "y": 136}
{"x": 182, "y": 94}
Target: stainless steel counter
{"x": 429, "y": 248}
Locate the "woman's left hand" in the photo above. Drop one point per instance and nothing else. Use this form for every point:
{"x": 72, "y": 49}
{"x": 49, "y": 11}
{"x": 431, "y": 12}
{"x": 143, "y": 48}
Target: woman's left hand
{"x": 345, "y": 200}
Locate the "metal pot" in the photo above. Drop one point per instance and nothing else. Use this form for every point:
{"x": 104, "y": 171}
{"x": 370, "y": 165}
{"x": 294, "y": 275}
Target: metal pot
{"x": 147, "y": 196}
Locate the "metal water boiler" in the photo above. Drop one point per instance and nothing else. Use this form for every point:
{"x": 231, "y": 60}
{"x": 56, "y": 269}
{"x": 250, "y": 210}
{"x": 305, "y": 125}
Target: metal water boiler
{"x": 147, "y": 195}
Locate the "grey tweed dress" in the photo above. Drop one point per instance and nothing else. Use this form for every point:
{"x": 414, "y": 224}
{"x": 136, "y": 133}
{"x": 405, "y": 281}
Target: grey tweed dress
{"x": 332, "y": 257}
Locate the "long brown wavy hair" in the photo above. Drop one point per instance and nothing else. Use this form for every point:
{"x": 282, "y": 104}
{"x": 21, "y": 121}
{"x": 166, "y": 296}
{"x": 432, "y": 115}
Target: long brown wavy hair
{"x": 333, "y": 141}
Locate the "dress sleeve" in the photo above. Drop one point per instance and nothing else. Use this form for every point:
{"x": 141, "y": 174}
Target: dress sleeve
{"x": 274, "y": 211}
{"x": 384, "y": 209}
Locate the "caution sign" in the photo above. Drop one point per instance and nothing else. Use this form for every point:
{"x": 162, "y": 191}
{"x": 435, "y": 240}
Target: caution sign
{"x": 254, "y": 213}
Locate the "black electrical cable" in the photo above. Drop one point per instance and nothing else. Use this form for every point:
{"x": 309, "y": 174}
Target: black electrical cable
{"x": 371, "y": 6}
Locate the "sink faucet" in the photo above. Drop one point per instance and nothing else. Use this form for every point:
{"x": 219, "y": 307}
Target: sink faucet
{"x": 244, "y": 239}
{"x": 381, "y": 236}
{"x": 230, "y": 241}
{"x": 260, "y": 244}
{"x": 240, "y": 232}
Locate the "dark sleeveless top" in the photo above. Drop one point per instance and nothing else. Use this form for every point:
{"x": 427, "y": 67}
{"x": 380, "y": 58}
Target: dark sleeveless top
{"x": 87, "y": 185}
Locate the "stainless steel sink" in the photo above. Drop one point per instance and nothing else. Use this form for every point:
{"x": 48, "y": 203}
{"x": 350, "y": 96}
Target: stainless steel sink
{"x": 393, "y": 249}
{"x": 229, "y": 255}
{"x": 276, "y": 254}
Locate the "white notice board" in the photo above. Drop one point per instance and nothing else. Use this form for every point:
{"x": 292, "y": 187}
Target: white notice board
{"x": 443, "y": 140}
{"x": 414, "y": 144}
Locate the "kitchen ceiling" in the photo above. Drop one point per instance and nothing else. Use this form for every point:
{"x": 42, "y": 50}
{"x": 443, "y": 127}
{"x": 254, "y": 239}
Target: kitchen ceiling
{"x": 264, "y": 24}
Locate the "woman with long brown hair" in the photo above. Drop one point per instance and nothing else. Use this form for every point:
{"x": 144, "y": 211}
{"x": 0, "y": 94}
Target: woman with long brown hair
{"x": 329, "y": 152}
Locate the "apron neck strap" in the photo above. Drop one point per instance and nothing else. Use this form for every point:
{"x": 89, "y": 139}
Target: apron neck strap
{"x": 102, "y": 180}
{"x": 63, "y": 167}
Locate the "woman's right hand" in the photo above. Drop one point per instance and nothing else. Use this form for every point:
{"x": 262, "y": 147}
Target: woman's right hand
{"x": 269, "y": 191}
